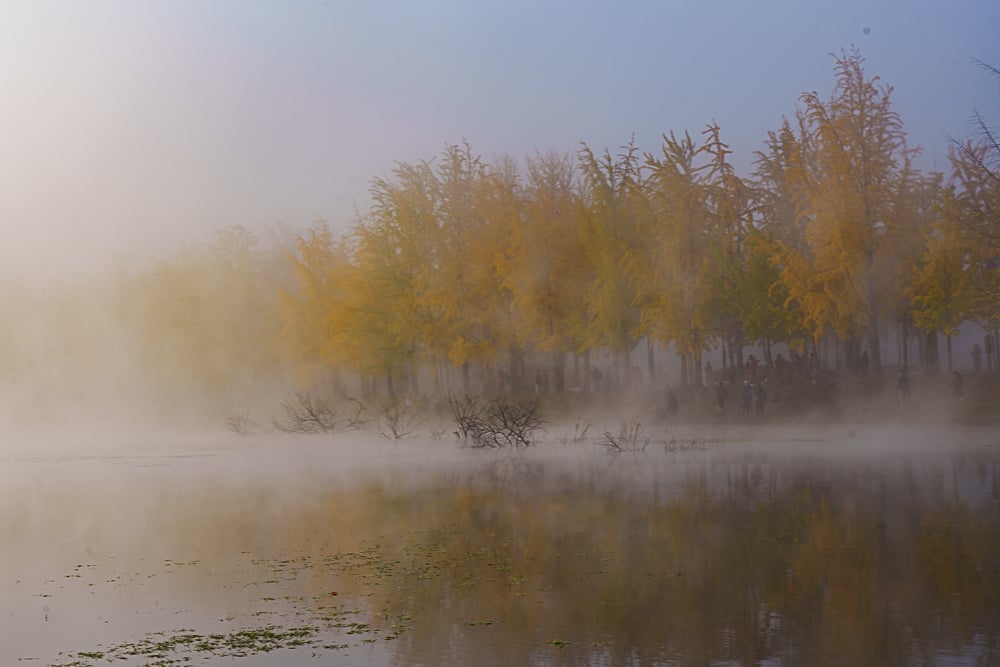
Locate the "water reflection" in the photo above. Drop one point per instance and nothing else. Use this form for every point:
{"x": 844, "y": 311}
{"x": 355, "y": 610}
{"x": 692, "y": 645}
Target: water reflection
{"x": 809, "y": 564}
{"x": 715, "y": 557}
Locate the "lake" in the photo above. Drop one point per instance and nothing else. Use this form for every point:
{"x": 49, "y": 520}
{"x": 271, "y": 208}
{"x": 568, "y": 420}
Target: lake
{"x": 849, "y": 545}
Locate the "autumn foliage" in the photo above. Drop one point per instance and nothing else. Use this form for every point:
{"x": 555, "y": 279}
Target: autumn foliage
{"x": 471, "y": 276}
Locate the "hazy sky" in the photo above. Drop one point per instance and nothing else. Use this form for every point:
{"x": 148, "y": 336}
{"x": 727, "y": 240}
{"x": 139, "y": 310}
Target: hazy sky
{"x": 140, "y": 125}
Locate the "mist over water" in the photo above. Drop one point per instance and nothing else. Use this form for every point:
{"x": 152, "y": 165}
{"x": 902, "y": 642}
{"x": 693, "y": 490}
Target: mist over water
{"x": 338, "y": 335}
{"x": 799, "y": 545}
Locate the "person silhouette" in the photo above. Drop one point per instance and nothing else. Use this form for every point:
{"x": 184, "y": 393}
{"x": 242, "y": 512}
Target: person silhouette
{"x": 902, "y": 386}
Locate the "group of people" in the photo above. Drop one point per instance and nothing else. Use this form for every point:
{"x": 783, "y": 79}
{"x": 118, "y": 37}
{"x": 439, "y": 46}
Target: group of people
{"x": 753, "y": 398}
{"x": 753, "y": 392}
{"x": 796, "y": 368}
{"x": 903, "y": 386}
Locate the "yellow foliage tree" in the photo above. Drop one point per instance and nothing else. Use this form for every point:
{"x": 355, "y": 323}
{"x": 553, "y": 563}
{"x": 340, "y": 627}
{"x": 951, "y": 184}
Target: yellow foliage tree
{"x": 312, "y": 309}
{"x": 610, "y": 237}
{"x": 942, "y": 287}
{"x": 852, "y": 158}
{"x": 470, "y": 293}
{"x": 392, "y": 326}
{"x": 205, "y": 318}
{"x": 670, "y": 273}
{"x": 549, "y": 270}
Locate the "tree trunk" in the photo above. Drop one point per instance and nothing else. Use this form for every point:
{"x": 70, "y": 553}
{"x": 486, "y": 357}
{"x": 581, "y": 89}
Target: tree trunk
{"x": 947, "y": 346}
{"x": 516, "y": 367}
{"x": 932, "y": 360}
{"x": 904, "y": 345}
{"x": 622, "y": 368}
{"x": 449, "y": 379}
{"x": 650, "y": 362}
{"x": 390, "y": 386}
{"x": 876, "y": 341}
{"x": 851, "y": 355}
{"x": 558, "y": 371}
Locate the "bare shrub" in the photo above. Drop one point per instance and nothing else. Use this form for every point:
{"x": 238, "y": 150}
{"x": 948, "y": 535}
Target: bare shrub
{"x": 495, "y": 422}
{"x": 580, "y": 430}
{"x": 397, "y": 420}
{"x": 675, "y": 444}
{"x": 241, "y": 424}
{"x": 308, "y": 414}
{"x": 354, "y": 415}
{"x": 513, "y": 423}
{"x": 466, "y": 411}
{"x": 631, "y": 437}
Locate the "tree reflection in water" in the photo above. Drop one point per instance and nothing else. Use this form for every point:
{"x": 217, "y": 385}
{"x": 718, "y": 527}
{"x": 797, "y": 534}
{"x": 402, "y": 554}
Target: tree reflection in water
{"x": 735, "y": 562}
{"x": 735, "y": 556}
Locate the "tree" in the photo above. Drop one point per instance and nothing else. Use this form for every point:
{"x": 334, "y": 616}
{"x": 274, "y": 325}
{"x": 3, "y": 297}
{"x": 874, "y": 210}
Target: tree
{"x": 942, "y": 288}
{"x": 391, "y": 317}
{"x": 739, "y": 289}
{"x": 549, "y": 270}
{"x": 780, "y": 195}
{"x": 671, "y": 270}
{"x": 499, "y": 202}
{"x": 852, "y": 158}
{"x": 609, "y": 237}
{"x": 976, "y": 165}
{"x": 976, "y": 174}
{"x": 470, "y": 292}
{"x": 205, "y": 318}
{"x": 310, "y": 308}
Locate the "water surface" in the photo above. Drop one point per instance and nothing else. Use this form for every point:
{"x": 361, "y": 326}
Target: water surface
{"x": 822, "y": 546}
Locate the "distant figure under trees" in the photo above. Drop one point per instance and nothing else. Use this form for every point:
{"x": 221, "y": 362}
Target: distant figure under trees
{"x": 902, "y": 387}
{"x": 759, "y": 399}
{"x": 721, "y": 394}
{"x": 780, "y": 367}
{"x": 746, "y": 402}
{"x": 671, "y": 403}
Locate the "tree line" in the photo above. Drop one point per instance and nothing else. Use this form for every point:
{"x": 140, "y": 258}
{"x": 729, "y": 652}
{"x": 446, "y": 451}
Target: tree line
{"x": 463, "y": 262}
{"x": 464, "y": 269}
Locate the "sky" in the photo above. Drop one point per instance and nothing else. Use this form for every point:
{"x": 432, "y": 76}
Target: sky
{"x": 130, "y": 128}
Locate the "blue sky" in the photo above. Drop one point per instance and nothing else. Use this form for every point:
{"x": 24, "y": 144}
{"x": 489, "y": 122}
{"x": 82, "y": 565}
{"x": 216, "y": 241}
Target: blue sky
{"x": 131, "y": 127}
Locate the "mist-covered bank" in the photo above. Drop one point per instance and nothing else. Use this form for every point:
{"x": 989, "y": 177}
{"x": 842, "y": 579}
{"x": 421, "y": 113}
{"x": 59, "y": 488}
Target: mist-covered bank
{"x": 590, "y": 271}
